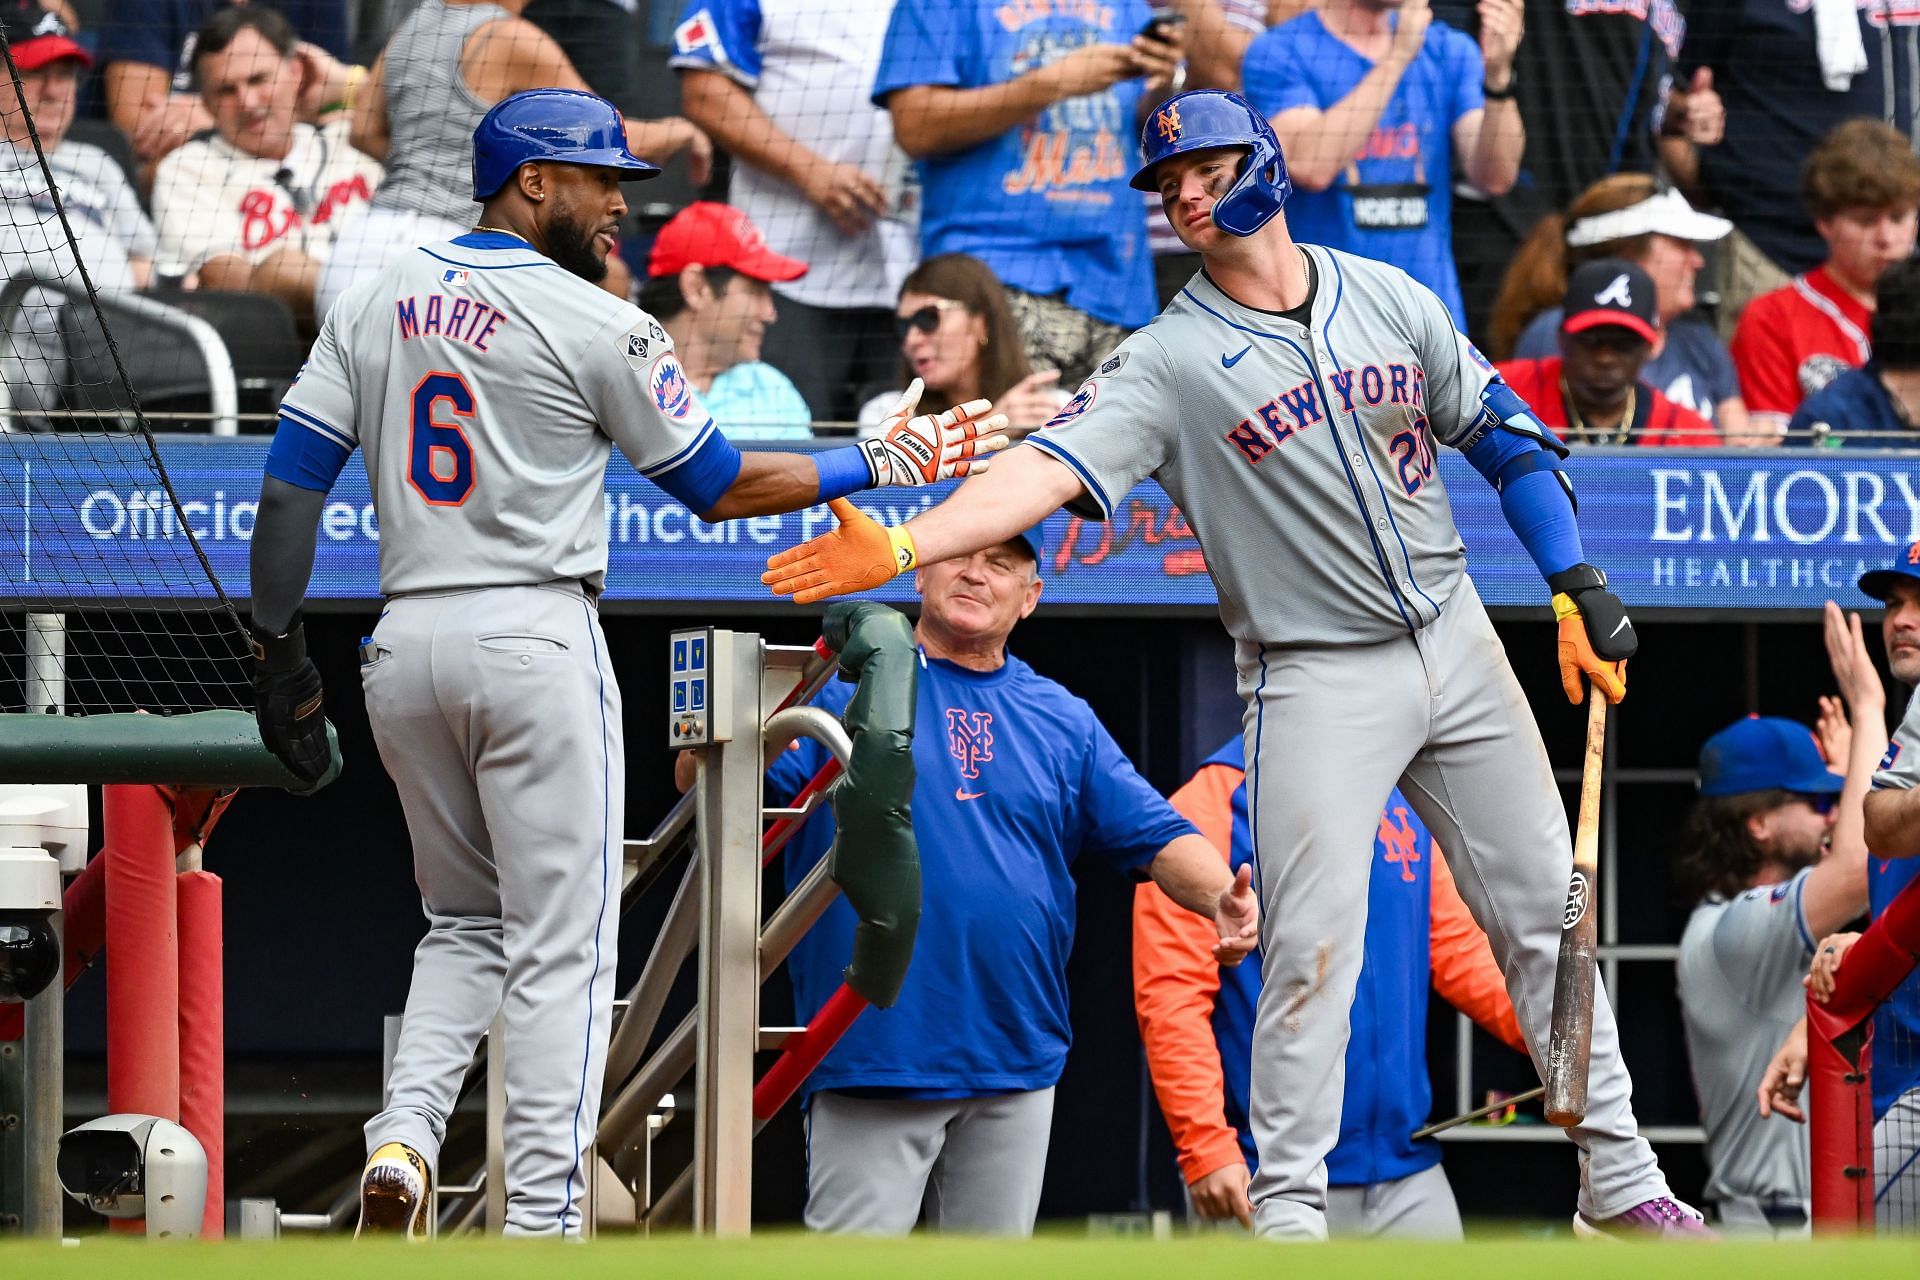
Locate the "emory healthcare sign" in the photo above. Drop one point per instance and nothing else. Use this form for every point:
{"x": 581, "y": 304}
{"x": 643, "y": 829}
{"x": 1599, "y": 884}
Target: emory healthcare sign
{"x": 1682, "y": 529}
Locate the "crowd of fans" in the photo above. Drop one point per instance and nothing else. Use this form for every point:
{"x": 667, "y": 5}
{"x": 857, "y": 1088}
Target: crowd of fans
{"x": 938, "y": 188}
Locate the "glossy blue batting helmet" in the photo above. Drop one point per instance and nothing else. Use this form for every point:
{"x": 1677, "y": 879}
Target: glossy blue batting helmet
{"x": 565, "y": 125}
{"x": 1203, "y": 119}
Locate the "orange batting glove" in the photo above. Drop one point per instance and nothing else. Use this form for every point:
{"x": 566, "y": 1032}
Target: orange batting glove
{"x": 856, "y": 555}
{"x": 1596, "y": 636}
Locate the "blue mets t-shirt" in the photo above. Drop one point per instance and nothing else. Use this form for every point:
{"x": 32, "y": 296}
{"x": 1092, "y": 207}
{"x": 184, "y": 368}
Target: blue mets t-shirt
{"x": 1394, "y": 203}
{"x": 1046, "y": 206}
{"x": 1016, "y": 778}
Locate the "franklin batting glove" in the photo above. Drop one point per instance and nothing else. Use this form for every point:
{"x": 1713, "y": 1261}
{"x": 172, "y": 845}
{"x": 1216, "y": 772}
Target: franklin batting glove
{"x": 912, "y": 451}
{"x": 1596, "y": 636}
{"x": 858, "y": 554}
{"x": 287, "y": 702}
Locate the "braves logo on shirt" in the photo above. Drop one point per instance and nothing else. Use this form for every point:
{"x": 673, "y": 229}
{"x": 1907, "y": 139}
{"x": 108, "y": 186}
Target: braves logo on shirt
{"x": 668, "y": 382}
{"x": 970, "y": 739}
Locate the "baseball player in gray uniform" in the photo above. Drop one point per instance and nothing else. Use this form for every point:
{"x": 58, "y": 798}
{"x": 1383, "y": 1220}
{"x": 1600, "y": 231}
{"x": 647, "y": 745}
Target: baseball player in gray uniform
{"x": 1290, "y": 399}
{"x": 1776, "y": 857}
{"x": 487, "y": 379}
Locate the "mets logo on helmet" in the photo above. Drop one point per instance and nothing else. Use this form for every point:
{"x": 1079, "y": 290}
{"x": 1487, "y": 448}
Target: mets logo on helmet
{"x": 669, "y": 386}
{"x": 970, "y": 739}
{"x": 1167, "y": 123}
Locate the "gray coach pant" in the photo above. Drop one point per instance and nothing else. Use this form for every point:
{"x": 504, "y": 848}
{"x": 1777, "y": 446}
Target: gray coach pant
{"x": 1329, "y": 731}
{"x": 498, "y": 718}
{"x": 975, "y": 1163}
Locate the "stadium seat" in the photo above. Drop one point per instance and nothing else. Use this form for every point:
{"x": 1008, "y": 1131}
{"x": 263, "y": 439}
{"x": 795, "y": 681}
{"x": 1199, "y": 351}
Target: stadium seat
{"x": 262, "y": 340}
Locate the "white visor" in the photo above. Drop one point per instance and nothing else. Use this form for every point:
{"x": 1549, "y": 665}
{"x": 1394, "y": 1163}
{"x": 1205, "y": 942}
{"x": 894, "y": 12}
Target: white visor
{"x": 1665, "y": 213}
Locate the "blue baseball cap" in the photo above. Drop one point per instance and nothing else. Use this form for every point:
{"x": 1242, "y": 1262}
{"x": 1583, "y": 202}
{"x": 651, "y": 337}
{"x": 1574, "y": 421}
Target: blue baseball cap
{"x": 1765, "y": 753}
{"x": 1036, "y": 540}
{"x": 1879, "y": 583}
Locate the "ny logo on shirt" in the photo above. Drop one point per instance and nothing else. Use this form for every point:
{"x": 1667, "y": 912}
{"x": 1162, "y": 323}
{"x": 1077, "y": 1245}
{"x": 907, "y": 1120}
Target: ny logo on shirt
{"x": 1396, "y": 836}
{"x": 970, "y": 739}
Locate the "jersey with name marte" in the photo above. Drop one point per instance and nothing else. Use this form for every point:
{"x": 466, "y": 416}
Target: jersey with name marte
{"x": 1302, "y": 456}
{"x": 487, "y": 385}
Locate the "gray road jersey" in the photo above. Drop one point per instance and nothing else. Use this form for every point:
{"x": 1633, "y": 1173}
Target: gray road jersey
{"x": 1740, "y": 967}
{"x": 1301, "y": 456}
{"x": 487, "y": 387}
{"x": 1900, "y": 767}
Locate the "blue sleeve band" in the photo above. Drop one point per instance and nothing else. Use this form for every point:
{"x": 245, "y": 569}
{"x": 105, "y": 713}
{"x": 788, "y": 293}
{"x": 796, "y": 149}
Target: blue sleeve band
{"x": 702, "y": 476}
{"x": 842, "y": 471}
{"x": 304, "y": 458}
{"x": 1539, "y": 508}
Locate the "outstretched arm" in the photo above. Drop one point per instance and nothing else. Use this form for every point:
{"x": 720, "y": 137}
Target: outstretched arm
{"x": 1024, "y": 486}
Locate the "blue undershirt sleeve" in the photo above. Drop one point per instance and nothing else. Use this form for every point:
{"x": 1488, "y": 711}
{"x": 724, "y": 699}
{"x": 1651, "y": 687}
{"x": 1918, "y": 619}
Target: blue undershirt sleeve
{"x": 1521, "y": 459}
{"x": 304, "y": 458}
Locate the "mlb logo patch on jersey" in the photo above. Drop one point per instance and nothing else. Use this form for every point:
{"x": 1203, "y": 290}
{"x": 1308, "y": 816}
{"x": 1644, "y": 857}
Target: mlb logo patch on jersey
{"x": 1886, "y": 761}
{"x": 455, "y": 276}
{"x": 1081, "y": 402}
{"x": 668, "y": 382}
{"x": 1473, "y": 353}
{"x": 698, "y": 33}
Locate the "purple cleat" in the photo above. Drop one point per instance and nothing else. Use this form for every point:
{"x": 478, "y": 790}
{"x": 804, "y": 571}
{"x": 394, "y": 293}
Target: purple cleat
{"x": 1665, "y": 1217}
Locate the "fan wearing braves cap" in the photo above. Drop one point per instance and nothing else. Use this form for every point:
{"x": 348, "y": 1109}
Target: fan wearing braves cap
{"x": 1290, "y": 400}
{"x": 487, "y": 378}
{"x": 708, "y": 279}
{"x": 943, "y": 1103}
{"x": 1592, "y": 392}
{"x": 1774, "y": 857}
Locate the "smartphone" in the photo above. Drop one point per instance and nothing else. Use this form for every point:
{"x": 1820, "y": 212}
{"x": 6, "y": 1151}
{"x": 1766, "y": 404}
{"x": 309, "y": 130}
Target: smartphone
{"x": 1161, "y": 26}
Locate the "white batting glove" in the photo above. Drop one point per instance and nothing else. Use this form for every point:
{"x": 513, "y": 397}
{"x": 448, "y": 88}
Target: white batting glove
{"x": 914, "y": 451}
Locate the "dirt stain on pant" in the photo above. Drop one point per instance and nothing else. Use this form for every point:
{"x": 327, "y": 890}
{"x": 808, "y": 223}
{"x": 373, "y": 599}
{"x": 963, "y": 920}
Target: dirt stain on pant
{"x": 1303, "y": 992}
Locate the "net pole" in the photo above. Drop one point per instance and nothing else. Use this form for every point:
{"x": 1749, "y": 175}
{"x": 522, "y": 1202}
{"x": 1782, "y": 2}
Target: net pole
{"x": 43, "y": 1110}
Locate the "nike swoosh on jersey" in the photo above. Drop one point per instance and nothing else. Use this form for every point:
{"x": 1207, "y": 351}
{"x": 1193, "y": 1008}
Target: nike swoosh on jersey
{"x": 961, "y": 793}
{"x": 1617, "y": 630}
{"x": 1228, "y": 361}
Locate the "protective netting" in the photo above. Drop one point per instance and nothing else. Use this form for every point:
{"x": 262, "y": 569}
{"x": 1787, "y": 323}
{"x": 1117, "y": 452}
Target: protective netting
{"x": 109, "y": 604}
{"x": 1763, "y": 181}
{"x": 1896, "y": 1129}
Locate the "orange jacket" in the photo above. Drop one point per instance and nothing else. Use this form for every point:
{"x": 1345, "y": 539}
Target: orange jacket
{"x": 1175, "y": 982}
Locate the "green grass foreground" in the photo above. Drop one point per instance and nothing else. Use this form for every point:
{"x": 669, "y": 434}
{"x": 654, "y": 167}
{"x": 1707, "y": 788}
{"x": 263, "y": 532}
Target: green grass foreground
{"x": 794, "y": 1256}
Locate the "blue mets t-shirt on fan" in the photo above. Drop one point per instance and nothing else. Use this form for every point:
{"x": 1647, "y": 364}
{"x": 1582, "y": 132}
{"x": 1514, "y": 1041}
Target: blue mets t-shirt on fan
{"x": 1015, "y": 779}
{"x": 1394, "y": 202}
{"x": 1046, "y": 206}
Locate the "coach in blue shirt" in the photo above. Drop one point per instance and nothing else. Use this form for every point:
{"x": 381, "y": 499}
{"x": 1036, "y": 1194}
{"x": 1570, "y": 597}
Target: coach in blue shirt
{"x": 946, "y": 1099}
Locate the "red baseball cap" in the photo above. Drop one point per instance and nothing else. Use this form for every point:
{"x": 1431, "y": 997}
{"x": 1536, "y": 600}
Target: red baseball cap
{"x": 38, "y": 36}
{"x": 708, "y": 234}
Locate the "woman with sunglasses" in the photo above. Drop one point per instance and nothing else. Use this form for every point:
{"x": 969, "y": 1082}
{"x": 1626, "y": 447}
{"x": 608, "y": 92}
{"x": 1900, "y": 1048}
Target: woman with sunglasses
{"x": 958, "y": 337}
{"x": 1775, "y": 856}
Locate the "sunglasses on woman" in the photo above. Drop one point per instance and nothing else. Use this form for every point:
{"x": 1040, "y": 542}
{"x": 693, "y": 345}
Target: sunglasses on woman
{"x": 927, "y": 318}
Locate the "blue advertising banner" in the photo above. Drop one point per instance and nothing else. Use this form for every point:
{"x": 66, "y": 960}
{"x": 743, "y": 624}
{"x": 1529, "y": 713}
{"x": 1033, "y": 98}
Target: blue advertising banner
{"x": 83, "y": 518}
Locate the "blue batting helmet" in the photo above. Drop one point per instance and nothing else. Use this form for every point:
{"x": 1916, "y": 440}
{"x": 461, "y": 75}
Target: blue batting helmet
{"x": 1203, "y": 119}
{"x": 551, "y": 124}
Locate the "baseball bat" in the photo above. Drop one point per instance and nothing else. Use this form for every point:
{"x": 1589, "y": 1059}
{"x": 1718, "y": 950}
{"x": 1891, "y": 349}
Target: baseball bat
{"x": 1467, "y": 1117}
{"x": 1571, "y": 1041}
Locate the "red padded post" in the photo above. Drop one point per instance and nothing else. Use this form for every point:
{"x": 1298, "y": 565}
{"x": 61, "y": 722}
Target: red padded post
{"x": 203, "y": 1037}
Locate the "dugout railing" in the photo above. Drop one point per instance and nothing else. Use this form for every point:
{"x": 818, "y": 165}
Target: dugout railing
{"x": 1863, "y": 1163}
{"x": 715, "y": 917}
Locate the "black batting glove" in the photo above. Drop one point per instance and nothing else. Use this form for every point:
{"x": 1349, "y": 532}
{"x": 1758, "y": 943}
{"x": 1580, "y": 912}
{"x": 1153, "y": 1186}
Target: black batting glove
{"x": 288, "y": 704}
{"x": 1609, "y": 629}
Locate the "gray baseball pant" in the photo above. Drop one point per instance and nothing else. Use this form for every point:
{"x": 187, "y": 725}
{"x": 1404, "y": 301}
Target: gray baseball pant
{"x": 1329, "y": 731}
{"x": 974, "y": 1163}
{"x": 1419, "y": 1206}
{"x": 498, "y": 718}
